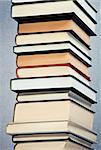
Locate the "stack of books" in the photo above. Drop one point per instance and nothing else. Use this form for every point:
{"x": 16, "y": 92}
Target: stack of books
{"x": 54, "y": 97}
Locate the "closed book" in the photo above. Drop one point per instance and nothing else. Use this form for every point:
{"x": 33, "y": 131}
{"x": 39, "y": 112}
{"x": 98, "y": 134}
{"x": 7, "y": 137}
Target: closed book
{"x": 62, "y": 127}
{"x": 48, "y": 38}
{"x": 53, "y": 145}
{"x": 54, "y": 96}
{"x": 52, "y": 137}
{"x": 50, "y": 111}
{"x": 82, "y": 4}
{"x": 50, "y": 26}
{"x": 49, "y": 48}
{"x": 40, "y": 60}
{"x": 55, "y": 70}
{"x": 53, "y": 9}
{"x": 52, "y": 83}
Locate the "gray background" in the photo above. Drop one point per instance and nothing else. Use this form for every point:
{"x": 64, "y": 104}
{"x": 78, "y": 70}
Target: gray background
{"x": 8, "y": 29}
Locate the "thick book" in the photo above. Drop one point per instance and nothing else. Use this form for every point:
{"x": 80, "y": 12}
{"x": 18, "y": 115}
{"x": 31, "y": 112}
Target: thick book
{"x": 53, "y": 111}
{"x": 51, "y": 26}
{"x": 52, "y": 70}
{"x": 82, "y": 53}
{"x": 62, "y": 127}
{"x": 53, "y": 145}
{"x": 54, "y": 96}
{"x": 53, "y": 83}
{"x": 39, "y": 60}
{"x": 54, "y": 9}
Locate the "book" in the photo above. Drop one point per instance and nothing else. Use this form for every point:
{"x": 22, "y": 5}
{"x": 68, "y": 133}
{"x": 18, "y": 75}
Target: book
{"x": 50, "y": 111}
{"x": 54, "y": 145}
{"x": 53, "y": 10}
{"x": 52, "y": 83}
{"x": 62, "y": 127}
{"x": 51, "y": 26}
{"x": 49, "y": 48}
{"x": 82, "y": 4}
{"x": 52, "y": 137}
{"x": 54, "y": 96}
{"x": 46, "y": 38}
{"x": 55, "y": 70}
{"x": 41, "y": 60}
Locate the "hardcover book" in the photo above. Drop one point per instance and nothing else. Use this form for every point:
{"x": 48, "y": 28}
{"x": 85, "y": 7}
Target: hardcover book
{"x": 53, "y": 83}
{"x": 54, "y": 96}
{"x": 50, "y": 111}
{"x": 54, "y": 145}
{"x": 59, "y": 127}
{"x": 55, "y": 70}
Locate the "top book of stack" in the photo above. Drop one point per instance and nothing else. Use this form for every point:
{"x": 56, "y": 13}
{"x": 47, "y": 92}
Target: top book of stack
{"x": 38, "y": 10}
